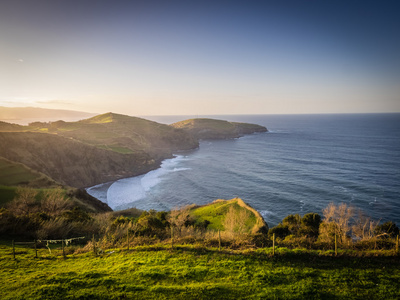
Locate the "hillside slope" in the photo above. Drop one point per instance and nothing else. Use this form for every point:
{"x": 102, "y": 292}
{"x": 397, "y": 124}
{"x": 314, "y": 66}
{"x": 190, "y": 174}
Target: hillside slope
{"x": 217, "y": 129}
{"x": 71, "y": 162}
{"x": 123, "y": 134}
{"x": 14, "y": 174}
{"x": 96, "y": 150}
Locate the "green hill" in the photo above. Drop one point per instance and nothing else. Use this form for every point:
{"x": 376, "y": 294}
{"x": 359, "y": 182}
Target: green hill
{"x": 217, "y": 129}
{"x": 100, "y": 149}
{"x": 124, "y": 134}
{"x": 230, "y": 215}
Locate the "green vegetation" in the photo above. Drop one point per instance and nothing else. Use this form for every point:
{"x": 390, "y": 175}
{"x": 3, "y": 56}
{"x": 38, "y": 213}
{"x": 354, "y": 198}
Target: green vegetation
{"x": 217, "y": 129}
{"x": 221, "y": 250}
{"x": 195, "y": 272}
{"x": 180, "y": 254}
{"x": 105, "y": 147}
{"x": 7, "y": 194}
{"x": 14, "y": 174}
{"x": 233, "y": 215}
{"x": 92, "y": 151}
{"x": 118, "y": 149}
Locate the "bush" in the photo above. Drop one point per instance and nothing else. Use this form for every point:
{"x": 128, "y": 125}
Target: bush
{"x": 387, "y": 230}
{"x": 280, "y": 230}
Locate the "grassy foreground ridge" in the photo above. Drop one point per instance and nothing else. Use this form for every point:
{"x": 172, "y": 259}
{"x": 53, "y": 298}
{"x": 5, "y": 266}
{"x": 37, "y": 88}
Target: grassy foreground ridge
{"x": 190, "y": 272}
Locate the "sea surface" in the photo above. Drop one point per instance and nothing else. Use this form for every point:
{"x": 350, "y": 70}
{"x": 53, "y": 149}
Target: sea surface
{"x": 301, "y": 165}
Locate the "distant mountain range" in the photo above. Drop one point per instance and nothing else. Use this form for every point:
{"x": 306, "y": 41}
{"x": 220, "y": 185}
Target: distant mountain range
{"x": 25, "y": 115}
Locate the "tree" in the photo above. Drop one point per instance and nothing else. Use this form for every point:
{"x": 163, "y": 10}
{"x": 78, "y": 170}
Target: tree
{"x": 336, "y": 222}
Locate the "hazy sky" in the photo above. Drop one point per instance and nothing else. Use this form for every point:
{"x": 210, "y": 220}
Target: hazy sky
{"x": 201, "y": 57}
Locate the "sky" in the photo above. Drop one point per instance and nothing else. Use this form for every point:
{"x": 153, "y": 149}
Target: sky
{"x": 201, "y": 57}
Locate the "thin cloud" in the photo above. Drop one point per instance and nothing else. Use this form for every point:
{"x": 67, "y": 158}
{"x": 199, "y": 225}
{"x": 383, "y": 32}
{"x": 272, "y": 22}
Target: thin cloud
{"x": 55, "y": 102}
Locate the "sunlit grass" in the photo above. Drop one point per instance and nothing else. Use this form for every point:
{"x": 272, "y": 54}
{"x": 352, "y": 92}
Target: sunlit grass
{"x": 196, "y": 273}
{"x": 216, "y": 213}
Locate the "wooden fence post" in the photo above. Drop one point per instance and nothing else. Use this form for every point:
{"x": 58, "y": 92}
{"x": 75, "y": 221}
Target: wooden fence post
{"x": 127, "y": 237}
{"x": 172, "y": 236}
{"x": 219, "y": 239}
{"x": 335, "y": 244}
{"x": 13, "y": 245}
{"x": 94, "y": 246}
{"x": 273, "y": 244}
{"x": 62, "y": 245}
{"x": 36, "y": 249}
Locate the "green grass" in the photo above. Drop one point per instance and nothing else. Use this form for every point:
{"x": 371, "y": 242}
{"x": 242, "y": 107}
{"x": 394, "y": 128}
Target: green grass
{"x": 217, "y": 211}
{"x": 12, "y": 173}
{"x": 219, "y": 125}
{"x": 196, "y": 273}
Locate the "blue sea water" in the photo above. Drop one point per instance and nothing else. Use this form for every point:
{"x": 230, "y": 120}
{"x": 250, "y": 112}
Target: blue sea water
{"x": 301, "y": 165}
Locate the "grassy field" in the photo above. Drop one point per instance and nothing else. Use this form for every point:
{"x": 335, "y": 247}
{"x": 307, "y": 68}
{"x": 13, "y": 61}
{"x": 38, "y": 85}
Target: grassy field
{"x": 189, "y": 272}
{"x": 12, "y": 173}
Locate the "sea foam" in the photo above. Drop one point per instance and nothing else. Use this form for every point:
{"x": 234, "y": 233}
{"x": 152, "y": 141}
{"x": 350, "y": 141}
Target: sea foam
{"x": 129, "y": 190}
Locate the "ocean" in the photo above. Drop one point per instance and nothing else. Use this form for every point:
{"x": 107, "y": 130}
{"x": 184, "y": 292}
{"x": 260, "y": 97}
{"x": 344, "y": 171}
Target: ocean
{"x": 301, "y": 165}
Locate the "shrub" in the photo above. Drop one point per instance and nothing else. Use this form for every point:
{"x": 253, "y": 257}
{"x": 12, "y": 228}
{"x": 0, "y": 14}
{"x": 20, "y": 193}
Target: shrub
{"x": 280, "y": 230}
{"x": 310, "y": 225}
{"x": 336, "y": 222}
{"x": 387, "y": 229}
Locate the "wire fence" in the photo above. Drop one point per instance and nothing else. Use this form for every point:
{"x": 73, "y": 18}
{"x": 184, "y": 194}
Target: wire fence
{"x": 96, "y": 246}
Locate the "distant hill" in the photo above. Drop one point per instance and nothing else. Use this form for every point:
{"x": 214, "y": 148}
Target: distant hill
{"x": 25, "y": 115}
{"x": 217, "y": 129}
{"x": 99, "y": 149}
{"x": 123, "y": 134}
{"x": 7, "y": 127}
{"x": 96, "y": 150}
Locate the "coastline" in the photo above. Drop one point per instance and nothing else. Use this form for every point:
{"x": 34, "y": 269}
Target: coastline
{"x": 137, "y": 186}
{"x": 100, "y": 191}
